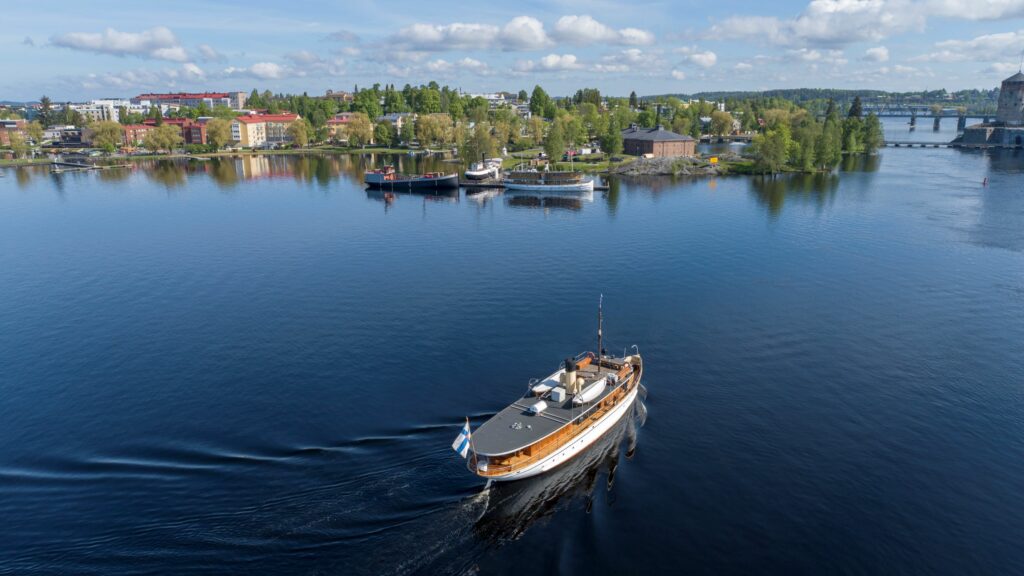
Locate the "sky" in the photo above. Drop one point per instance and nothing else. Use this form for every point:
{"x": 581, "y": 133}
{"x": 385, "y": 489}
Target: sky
{"x": 74, "y": 50}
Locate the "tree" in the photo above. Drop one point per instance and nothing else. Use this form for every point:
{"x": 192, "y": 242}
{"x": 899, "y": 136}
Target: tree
{"x": 163, "y": 137}
{"x": 721, "y": 123}
{"x": 856, "y": 109}
{"x": 872, "y": 137}
{"x": 611, "y": 140}
{"x": 632, "y": 100}
{"x": 772, "y": 149}
{"x": 18, "y": 144}
{"x": 45, "y": 114}
{"x": 480, "y": 144}
{"x": 299, "y": 132}
{"x": 539, "y": 101}
{"x": 383, "y": 133}
{"x": 359, "y": 130}
{"x": 428, "y": 102}
{"x": 408, "y": 132}
{"x": 34, "y": 130}
{"x": 554, "y": 144}
{"x": 106, "y": 134}
{"x": 647, "y": 118}
{"x": 523, "y": 96}
{"x": 218, "y": 132}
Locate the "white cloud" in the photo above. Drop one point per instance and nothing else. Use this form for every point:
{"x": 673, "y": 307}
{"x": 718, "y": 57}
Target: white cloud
{"x": 524, "y": 33}
{"x": 876, "y": 54}
{"x": 28, "y": 41}
{"x": 983, "y": 48}
{"x": 259, "y": 70}
{"x": 679, "y": 75}
{"x": 829, "y": 22}
{"x": 520, "y": 33}
{"x": 832, "y": 57}
{"x": 704, "y": 59}
{"x": 743, "y": 67}
{"x": 210, "y": 54}
{"x": 192, "y": 71}
{"x": 1002, "y": 69}
{"x": 158, "y": 43}
{"x": 586, "y": 30}
{"x": 143, "y": 79}
{"x": 549, "y": 63}
{"x": 302, "y": 57}
{"x": 444, "y": 67}
{"x": 976, "y": 9}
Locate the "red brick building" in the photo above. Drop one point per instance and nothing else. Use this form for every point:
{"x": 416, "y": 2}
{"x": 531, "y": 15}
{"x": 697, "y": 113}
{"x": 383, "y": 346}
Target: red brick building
{"x": 192, "y": 131}
{"x": 8, "y": 127}
{"x": 135, "y": 134}
{"x": 657, "y": 142}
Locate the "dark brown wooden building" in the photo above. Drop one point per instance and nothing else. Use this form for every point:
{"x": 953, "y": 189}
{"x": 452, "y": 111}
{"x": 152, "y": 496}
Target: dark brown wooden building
{"x": 657, "y": 141}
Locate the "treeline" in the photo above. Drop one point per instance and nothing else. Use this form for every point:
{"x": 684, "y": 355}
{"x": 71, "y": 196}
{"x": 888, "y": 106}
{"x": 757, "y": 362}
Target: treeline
{"x": 794, "y": 139}
{"x": 816, "y": 99}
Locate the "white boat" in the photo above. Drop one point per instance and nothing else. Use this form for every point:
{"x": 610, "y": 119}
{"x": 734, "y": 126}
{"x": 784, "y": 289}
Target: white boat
{"x": 533, "y": 180}
{"x": 556, "y": 419}
{"x": 481, "y": 171}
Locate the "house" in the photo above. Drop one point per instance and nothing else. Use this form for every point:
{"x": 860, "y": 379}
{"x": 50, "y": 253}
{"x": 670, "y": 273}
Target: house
{"x": 135, "y": 134}
{"x": 336, "y": 125}
{"x": 657, "y": 142}
{"x": 341, "y": 97}
{"x": 255, "y": 130}
{"x": 397, "y": 119}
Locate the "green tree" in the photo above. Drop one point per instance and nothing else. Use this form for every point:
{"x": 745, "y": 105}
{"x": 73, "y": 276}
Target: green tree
{"x": 523, "y": 96}
{"x": 633, "y": 100}
{"x": 18, "y": 144}
{"x": 721, "y": 123}
{"x": 480, "y": 144}
{"x": 46, "y": 114}
{"x": 163, "y": 137}
{"x": 408, "y": 132}
{"x": 299, "y": 131}
{"x": 428, "y": 102}
{"x": 554, "y": 143}
{"x": 383, "y": 133}
{"x": 34, "y": 130}
{"x": 539, "y": 101}
{"x": 359, "y": 130}
{"x": 105, "y": 135}
{"x": 856, "y": 109}
{"x": 218, "y": 132}
{"x": 872, "y": 137}
{"x": 771, "y": 149}
{"x": 611, "y": 140}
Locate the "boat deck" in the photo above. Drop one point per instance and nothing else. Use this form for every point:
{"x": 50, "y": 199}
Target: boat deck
{"x": 515, "y": 427}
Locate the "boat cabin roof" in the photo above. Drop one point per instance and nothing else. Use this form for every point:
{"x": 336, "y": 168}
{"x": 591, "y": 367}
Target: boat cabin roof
{"x": 516, "y": 427}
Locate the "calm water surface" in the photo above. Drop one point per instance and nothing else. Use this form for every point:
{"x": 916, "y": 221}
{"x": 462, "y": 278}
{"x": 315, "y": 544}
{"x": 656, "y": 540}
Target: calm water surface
{"x": 257, "y": 366}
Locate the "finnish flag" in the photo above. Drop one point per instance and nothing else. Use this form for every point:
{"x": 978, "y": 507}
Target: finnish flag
{"x": 461, "y": 444}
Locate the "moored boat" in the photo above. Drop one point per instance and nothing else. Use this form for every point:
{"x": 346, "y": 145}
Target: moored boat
{"x": 481, "y": 171}
{"x": 537, "y": 181}
{"x": 387, "y": 179}
{"x": 556, "y": 419}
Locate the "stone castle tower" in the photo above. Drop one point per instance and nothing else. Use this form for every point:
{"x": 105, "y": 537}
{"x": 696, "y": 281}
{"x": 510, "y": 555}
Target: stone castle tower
{"x": 1011, "y": 101}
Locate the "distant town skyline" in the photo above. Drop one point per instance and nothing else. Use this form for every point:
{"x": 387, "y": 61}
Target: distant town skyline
{"x": 72, "y": 50}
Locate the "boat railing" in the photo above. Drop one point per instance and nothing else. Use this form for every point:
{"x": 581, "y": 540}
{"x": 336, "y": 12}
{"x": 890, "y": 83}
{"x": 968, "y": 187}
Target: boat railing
{"x": 544, "y": 448}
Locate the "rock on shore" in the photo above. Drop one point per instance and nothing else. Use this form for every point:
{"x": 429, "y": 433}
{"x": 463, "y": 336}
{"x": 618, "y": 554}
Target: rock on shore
{"x": 679, "y": 166}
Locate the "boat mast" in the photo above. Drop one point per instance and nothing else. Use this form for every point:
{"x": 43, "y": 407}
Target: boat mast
{"x": 600, "y": 305}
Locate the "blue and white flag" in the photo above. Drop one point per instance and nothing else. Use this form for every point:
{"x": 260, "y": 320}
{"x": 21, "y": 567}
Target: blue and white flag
{"x": 461, "y": 444}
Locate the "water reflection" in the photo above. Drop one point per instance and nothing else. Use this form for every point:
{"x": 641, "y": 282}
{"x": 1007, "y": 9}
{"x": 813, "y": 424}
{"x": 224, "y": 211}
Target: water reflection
{"x": 389, "y": 198}
{"x": 773, "y": 193}
{"x": 515, "y": 506}
{"x": 548, "y": 200}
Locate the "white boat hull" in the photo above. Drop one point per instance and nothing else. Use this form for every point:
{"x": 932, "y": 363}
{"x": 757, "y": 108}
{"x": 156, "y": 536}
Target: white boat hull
{"x": 586, "y": 186}
{"x": 577, "y": 445}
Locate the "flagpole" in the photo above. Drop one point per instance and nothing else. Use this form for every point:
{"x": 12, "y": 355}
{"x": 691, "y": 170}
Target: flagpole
{"x": 471, "y": 447}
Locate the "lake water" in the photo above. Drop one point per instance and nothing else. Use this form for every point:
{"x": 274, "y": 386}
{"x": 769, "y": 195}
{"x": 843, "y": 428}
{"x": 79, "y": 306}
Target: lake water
{"x": 255, "y": 366}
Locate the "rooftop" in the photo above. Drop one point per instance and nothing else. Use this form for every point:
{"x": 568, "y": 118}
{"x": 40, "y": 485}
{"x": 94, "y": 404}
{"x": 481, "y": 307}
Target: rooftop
{"x": 658, "y": 134}
{"x": 258, "y": 118}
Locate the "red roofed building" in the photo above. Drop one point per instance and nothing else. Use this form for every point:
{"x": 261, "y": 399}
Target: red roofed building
{"x": 192, "y": 131}
{"x": 255, "y": 130}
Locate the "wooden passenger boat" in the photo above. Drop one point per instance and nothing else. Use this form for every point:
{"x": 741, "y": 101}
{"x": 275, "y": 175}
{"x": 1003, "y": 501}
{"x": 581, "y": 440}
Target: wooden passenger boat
{"x": 532, "y": 180}
{"x": 557, "y": 418}
{"x": 387, "y": 179}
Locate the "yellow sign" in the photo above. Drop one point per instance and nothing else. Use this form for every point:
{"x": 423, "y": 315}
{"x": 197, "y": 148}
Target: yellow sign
{"x": 714, "y": 159}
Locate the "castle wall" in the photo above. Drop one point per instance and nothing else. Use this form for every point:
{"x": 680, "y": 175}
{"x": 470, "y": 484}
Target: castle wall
{"x": 1011, "y": 104}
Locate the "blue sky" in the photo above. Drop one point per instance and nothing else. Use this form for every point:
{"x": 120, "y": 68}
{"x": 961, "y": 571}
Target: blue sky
{"x": 78, "y": 50}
